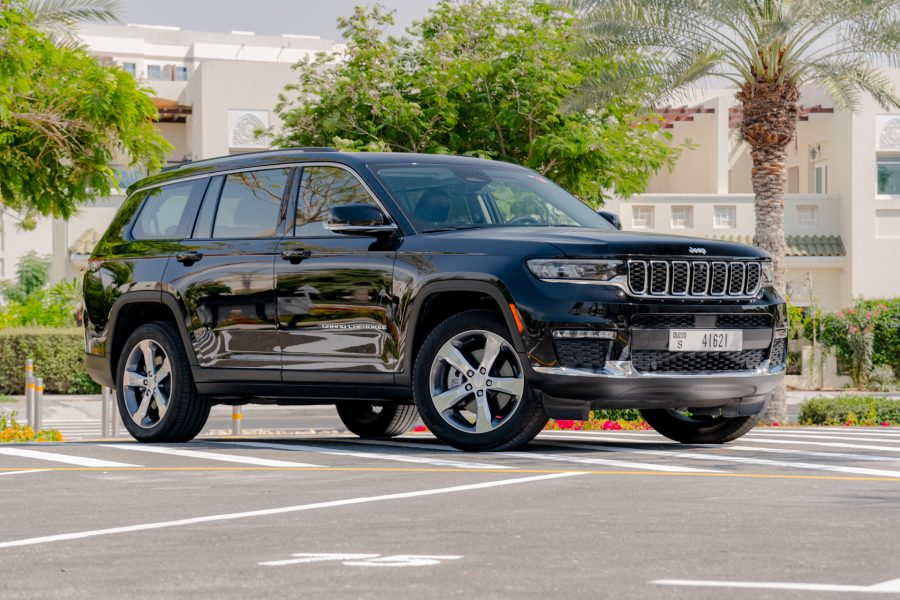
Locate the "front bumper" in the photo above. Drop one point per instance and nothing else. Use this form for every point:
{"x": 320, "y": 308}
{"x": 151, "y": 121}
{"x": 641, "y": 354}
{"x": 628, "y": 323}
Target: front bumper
{"x": 572, "y": 393}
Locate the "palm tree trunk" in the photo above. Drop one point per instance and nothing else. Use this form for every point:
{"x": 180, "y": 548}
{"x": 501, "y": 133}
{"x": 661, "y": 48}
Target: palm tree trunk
{"x": 768, "y": 125}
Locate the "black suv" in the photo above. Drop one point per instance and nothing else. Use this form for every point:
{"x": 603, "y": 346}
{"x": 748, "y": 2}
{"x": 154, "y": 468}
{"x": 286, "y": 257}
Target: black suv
{"x": 478, "y": 292}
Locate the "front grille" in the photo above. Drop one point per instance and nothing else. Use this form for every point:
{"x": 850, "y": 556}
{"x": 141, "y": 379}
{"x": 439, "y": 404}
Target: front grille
{"x": 581, "y": 354}
{"x": 663, "y": 361}
{"x": 683, "y": 321}
{"x": 779, "y": 352}
{"x": 743, "y": 321}
{"x": 662, "y": 278}
{"x": 662, "y": 321}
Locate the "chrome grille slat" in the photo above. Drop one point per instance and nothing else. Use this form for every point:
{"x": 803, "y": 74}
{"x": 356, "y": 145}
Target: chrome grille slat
{"x": 694, "y": 278}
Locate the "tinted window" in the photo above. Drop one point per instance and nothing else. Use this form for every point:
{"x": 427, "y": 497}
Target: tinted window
{"x": 163, "y": 215}
{"x": 322, "y": 188}
{"x": 250, "y": 204}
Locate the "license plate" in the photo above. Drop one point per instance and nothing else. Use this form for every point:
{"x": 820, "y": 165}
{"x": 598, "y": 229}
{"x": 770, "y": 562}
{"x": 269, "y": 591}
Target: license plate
{"x": 705, "y": 340}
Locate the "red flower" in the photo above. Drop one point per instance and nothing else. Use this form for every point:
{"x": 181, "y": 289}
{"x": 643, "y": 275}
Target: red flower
{"x": 853, "y": 329}
{"x": 885, "y": 423}
{"x": 868, "y": 314}
{"x": 776, "y": 424}
{"x": 852, "y": 311}
{"x": 420, "y": 428}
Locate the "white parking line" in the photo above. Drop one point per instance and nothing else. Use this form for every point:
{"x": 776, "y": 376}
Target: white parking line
{"x": 642, "y": 466}
{"x": 280, "y": 511}
{"x": 232, "y": 458}
{"x": 761, "y": 440}
{"x": 886, "y": 587}
{"x": 864, "y": 457}
{"x": 881, "y": 431}
{"x": 820, "y": 436}
{"x": 23, "y": 472}
{"x": 438, "y": 462}
{"x": 63, "y": 458}
{"x": 740, "y": 459}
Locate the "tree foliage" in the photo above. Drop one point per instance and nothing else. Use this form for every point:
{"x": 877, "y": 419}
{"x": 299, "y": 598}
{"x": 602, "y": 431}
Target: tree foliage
{"x": 479, "y": 78}
{"x": 64, "y": 118}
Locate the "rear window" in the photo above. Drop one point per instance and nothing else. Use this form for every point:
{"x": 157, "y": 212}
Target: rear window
{"x": 164, "y": 214}
{"x": 250, "y": 204}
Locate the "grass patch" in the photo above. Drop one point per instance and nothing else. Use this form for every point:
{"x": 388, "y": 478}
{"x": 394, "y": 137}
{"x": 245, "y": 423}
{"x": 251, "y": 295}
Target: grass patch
{"x": 850, "y": 410}
{"x": 4, "y": 399}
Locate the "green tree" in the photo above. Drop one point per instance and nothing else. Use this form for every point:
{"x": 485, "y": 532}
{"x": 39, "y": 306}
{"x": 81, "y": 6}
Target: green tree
{"x": 478, "y": 78}
{"x": 766, "y": 49}
{"x": 64, "y": 118}
{"x": 59, "y": 18}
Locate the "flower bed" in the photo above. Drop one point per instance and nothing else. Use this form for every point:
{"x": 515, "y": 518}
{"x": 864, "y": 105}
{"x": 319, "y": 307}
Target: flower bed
{"x": 12, "y": 431}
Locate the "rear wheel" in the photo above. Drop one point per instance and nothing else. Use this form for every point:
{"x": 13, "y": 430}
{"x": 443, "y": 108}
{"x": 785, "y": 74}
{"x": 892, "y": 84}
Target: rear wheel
{"x": 154, "y": 387}
{"x": 683, "y": 427}
{"x": 470, "y": 387}
{"x": 376, "y": 421}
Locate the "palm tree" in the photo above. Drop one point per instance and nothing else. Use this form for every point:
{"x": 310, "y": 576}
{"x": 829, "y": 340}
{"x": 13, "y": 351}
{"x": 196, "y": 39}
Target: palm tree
{"x": 59, "y": 18}
{"x": 766, "y": 49}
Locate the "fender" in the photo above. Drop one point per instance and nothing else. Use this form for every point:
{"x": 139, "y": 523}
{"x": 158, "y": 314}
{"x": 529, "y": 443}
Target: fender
{"x": 492, "y": 288}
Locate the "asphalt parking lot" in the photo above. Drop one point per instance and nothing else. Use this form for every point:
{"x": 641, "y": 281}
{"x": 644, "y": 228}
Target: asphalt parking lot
{"x": 780, "y": 513}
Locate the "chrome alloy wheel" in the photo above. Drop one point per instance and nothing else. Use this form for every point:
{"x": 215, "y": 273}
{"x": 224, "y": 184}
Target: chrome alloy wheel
{"x": 476, "y": 381}
{"x": 147, "y": 383}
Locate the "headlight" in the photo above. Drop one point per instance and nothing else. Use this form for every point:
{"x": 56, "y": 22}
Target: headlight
{"x": 574, "y": 269}
{"x": 768, "y": 273}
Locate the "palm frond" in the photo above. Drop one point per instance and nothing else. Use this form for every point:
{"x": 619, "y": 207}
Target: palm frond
{"x": 846, "y": 83}
{"x": 59, "y": 18}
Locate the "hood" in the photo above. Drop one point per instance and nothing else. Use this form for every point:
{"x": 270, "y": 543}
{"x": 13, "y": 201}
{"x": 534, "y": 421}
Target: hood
{"x": 585, "y": 242}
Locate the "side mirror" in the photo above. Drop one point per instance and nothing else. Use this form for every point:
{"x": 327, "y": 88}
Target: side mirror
{"x": 613, "y": 218}
{"x": 359, "y": 219}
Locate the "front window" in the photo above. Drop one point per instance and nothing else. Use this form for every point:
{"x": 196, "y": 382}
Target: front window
{"x": 682, "y": 217}
{"x": 724, "y": 217}
{"x": 889, "y": 175}
{"x": 463, "y": 196}
{"x": 321, "y": 189}
{"x": 808, "y": 217}
{"x": 642, "y": 217}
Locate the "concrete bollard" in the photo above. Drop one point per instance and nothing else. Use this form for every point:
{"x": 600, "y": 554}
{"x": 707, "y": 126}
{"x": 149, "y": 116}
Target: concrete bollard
{"x": 237, "y": 415}
{"x": 38, "y": 404}
{"x": 104, "y": 412}
{"x": 114, "y": 413}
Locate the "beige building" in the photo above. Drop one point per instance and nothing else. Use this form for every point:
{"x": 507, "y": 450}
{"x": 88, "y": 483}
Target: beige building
{"x": 213, "y": 91}
{"x": 842, "y": 209}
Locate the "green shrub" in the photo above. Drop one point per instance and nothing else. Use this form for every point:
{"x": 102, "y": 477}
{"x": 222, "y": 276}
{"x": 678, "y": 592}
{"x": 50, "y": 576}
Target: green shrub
{"x": 58, "y": 356}
{"x": 617, "y": 414}
{"x": 857, "y": 410}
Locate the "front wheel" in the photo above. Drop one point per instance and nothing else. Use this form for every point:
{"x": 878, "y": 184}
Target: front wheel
{"x": 683, "y": 427}
{"x": 470, "y": 387}
{"x": 376, "y": 421}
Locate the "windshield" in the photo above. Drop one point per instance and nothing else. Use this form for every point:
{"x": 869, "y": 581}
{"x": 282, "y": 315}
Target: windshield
{"x": 440, "y": 197}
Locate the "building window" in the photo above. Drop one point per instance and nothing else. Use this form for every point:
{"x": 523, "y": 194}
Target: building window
{"x": 808, "y": 216}
{"x": 181, "y": 74}
{"x": 682, "y": 217}
{"x": 642, "y": 217}
{"x": 889, "y": 175}
{"x": 130, "y": 68}
{"x": 819, "y": 174}
{"x": 154, "y": 72}
{"x": 724, "y": 217}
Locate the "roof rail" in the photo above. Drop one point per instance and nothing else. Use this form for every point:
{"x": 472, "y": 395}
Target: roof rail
{"x": 247, "y": 154}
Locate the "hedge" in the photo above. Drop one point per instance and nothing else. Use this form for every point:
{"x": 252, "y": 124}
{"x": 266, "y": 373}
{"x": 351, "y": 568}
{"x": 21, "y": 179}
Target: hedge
{"x": 58, "y": 356}
{"x": 852, "y": 409}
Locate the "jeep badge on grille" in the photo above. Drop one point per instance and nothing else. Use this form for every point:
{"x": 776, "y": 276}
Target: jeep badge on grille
{"x": 693, "y": 250}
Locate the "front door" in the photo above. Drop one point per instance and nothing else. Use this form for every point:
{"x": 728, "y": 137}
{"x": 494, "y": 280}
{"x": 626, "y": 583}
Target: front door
{"x": 225, "y": 272}
{"x": 333, "y": 291}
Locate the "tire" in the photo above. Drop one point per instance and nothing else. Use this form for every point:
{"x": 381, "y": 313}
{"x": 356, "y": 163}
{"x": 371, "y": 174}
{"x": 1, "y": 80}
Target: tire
{"x": 492, "y": 420}
{"x": 698, "y": 430}
{"x": 376, "y": 421}
{"x": 185, "y": 411}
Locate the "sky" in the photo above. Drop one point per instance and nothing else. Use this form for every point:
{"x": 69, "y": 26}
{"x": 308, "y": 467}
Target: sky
{"x": 264, "y": 17}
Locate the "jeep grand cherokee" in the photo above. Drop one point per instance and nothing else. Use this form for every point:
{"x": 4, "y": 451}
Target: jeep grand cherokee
{"x": 475, "y": 294}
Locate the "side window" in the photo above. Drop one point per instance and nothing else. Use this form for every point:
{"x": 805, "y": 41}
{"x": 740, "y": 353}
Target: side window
{"x": 250, "y": 204}
{"x": 164, "y": 213}
{"x": 322, "y": 188}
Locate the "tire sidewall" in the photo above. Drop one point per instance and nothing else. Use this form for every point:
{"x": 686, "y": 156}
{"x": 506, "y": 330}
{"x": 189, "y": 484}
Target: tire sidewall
{"x": 509, "y": 429}
{"x": 180, "y": 390}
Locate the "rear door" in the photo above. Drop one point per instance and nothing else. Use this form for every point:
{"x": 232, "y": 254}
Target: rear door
{"x": 335, "y": 308}
{"x": 224, "y": 272}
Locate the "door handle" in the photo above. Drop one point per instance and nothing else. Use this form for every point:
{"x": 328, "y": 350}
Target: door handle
{"x": 188, "y": 258}
{"x": 295, "y": 256}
